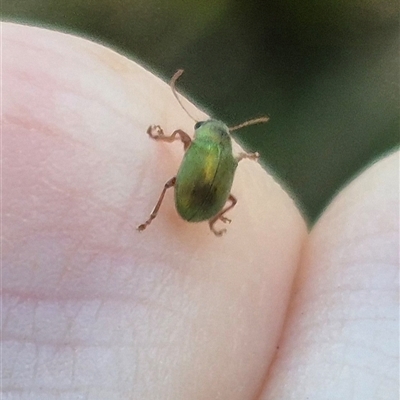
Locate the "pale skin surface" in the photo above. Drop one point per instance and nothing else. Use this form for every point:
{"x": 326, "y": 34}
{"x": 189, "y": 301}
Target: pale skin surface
{"x": 93, "y": 309}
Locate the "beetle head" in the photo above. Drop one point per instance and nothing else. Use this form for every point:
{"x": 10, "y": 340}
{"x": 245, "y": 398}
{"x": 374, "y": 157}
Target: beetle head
{"x": 212, "y": 130}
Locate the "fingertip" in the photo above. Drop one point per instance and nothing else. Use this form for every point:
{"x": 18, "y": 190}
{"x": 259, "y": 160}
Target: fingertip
{"x": 343, "y": 313}
{"x": 95, "y": 175}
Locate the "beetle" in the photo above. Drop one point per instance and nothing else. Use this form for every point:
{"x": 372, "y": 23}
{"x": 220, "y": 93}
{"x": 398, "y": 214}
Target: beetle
{"x": 204, "y": 179}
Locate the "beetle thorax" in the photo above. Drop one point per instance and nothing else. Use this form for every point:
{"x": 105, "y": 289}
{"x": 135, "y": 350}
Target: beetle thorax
{"x": 212, "y": 130}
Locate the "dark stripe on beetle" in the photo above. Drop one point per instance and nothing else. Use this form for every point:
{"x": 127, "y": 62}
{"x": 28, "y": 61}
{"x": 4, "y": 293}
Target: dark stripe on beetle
{"x": 207, "y": 193}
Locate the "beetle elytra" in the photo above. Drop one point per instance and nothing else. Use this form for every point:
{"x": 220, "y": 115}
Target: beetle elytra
{"x": 204, "y": 179}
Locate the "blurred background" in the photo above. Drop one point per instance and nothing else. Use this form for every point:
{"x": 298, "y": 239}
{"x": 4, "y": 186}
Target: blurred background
{"x": 326, "y": 72}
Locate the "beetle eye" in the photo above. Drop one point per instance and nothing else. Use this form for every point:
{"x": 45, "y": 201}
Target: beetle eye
{"x": 198, "y": 124}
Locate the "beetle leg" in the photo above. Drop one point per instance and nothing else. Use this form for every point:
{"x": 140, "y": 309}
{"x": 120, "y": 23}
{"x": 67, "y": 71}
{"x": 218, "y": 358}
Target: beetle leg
{"x": 250, "y": 156}
{"x": 156, "y": 132}
{"x": 220, "y": 216}
{"x": 154, "y": 213}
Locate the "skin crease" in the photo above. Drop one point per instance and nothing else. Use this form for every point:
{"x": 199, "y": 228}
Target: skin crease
{"x": 92, "y": 309}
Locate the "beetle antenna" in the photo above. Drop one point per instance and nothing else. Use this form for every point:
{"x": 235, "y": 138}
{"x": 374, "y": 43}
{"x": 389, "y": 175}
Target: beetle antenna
{"x": 176, "y": 76}
{"x": 254, "y": 121}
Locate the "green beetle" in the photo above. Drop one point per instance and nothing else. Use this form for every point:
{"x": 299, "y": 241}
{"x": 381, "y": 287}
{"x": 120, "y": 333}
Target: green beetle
{"x": 204, "y": 179}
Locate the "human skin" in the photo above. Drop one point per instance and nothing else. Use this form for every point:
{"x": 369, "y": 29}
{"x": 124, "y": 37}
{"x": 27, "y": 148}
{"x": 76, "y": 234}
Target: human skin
{"x": 93, "y": 309}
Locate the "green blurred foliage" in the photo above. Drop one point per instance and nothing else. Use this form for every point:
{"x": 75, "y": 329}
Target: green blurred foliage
{"x": 326, "y": 72}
